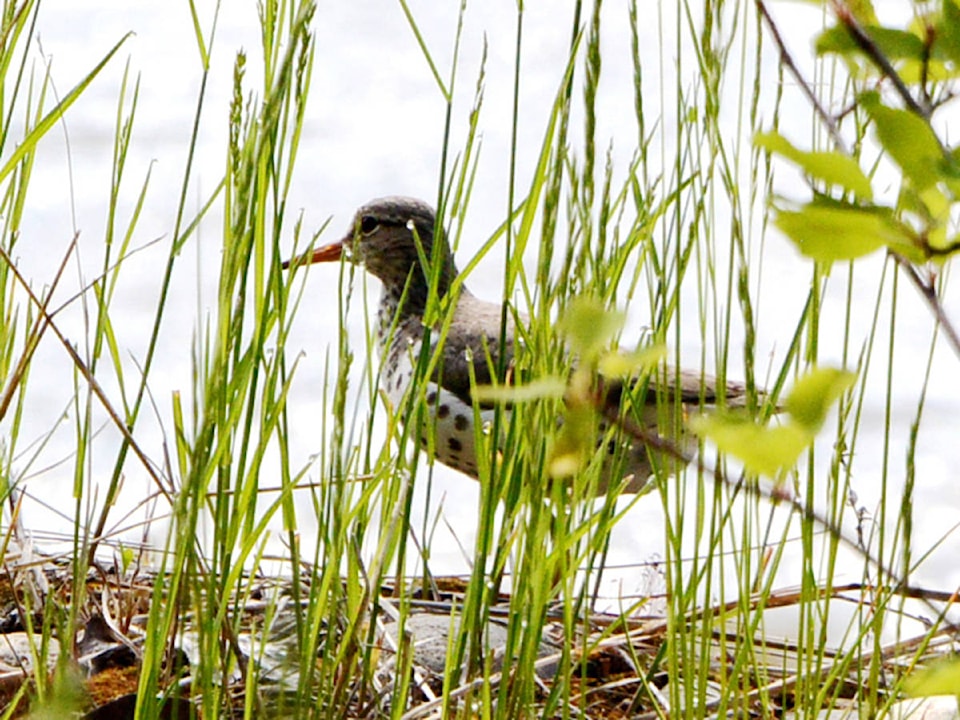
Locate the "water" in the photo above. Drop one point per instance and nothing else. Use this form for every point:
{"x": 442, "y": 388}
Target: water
{"x": 374, "y": 127}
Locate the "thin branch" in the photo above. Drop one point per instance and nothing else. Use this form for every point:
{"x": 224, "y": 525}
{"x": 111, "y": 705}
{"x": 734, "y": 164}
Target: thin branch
{"x": 33, "y": 337}
{"x": 825, "y": 117}
{"x": 929, "y": 293}
{"x": 776, "y": 495}
{"x": 949, "y": 249}
{"x": 875, "y": 55}
{"x": 88, "y": 376}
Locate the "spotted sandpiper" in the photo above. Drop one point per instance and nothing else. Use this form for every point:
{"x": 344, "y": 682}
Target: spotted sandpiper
{"x": 394, "y": 239}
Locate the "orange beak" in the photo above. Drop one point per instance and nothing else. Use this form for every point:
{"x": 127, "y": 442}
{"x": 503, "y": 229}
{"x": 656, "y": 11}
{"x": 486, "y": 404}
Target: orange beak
{"x": 327, "y": 253}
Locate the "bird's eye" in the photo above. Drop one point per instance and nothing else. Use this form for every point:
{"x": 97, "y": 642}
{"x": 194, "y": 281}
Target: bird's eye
{"x": 368, "y": 223}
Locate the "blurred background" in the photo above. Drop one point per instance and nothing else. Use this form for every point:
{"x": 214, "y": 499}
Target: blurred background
{"x": 375, "y": 126}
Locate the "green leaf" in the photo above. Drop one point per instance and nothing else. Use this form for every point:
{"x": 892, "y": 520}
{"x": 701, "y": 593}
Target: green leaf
{"x": 814, "y": 393}
{"x": 574, "y": 443}
{"x": 589, "y": 326}
{"x": 930, "y": 204}
{"x": 763, "y": 450}
{"x": 932, "y": 210}
{"x": 547, "y": 387}
{"x": 954, "y": 244}
{"x": 51, "y": 118}
{"x": 934, "y": 72}
{"x": 624, "y": 365}
{"x": 946, "y": 42}
{"x": 198, "y": 34}
{"x": 844, "y": 232}
{"x": 863, "y": 11}
{"x": 773, "y": 450}
{"x": 127, "y": 557}
{"x": 832, "y": 168}
{"x": 895, "y": 44}
{"x": 941, "y": 678}
{"x": 908, "y": 139}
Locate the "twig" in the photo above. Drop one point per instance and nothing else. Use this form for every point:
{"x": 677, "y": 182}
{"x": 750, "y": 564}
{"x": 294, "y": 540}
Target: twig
{"x": 870, "y": 49}
{"x": 88, "y": 376}
{"x": 660, "y": 444}
{"x": 33, "y": 337}
{"x": 788, "y": 62}
{"x": 929, "y": 293}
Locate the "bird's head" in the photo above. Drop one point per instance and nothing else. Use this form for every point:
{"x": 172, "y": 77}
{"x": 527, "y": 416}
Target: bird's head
{"x": 392, "y": 237}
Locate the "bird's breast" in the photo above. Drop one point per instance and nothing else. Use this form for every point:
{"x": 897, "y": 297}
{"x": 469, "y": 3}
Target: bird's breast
{"x": 446, "y": 427}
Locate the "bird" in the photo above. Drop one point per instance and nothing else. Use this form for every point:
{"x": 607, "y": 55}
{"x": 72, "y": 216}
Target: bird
{"x": 392, "y": 237}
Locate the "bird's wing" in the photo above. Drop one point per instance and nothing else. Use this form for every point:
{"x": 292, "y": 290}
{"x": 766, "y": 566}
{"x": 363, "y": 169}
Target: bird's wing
{"x": 474, "y": 341}
{"x": 694, "y": 385}
{"x": 691, "y": 386}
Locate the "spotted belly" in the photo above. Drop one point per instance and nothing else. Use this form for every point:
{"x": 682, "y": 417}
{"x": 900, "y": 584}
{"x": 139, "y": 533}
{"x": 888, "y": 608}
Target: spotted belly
{"x": 447, "y": 432}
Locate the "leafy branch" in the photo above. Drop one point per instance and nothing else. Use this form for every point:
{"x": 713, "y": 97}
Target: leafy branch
{"x": 904, "y": 76}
